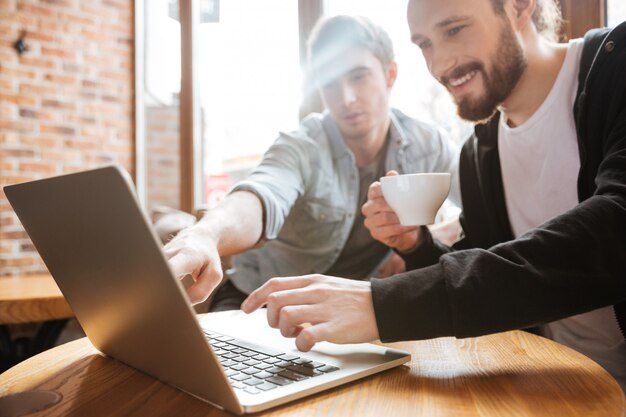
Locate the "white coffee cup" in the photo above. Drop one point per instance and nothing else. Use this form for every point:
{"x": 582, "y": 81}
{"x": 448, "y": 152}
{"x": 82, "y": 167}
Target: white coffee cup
{"x": 416, "y": 198}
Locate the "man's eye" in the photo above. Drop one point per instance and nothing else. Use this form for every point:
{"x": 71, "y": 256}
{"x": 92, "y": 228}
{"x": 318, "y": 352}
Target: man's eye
{"x": 455, "y": 30}
{"x": 424, "y": 44}
{"x": 329, "y": 86}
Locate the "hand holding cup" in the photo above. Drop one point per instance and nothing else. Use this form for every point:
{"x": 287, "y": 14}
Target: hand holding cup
{"x": 416, "y": 198}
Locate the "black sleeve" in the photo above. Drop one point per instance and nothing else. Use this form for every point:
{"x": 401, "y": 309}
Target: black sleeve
{"x": 428, "y": 253}
{"x": 570, "y": 265}
{"x": 412, "y": 305}
{"x": 574, "y": 263}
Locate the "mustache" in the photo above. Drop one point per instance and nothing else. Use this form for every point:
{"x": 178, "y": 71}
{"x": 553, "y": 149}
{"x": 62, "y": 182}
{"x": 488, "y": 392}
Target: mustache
{"x": 460, "y": 71}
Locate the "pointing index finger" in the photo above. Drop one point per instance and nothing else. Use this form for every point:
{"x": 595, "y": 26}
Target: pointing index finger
{"x": 259, "y": 296}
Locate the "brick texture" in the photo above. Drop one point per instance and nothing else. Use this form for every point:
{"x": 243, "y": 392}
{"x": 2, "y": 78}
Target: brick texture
{"x": 66, "y": 104}
{"x": 163, "y": 164}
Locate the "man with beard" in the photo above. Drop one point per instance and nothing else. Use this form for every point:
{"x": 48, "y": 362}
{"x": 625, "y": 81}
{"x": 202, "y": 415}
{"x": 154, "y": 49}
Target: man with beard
{"x": 543, "y": 185}
{"x": 298, "y": 211}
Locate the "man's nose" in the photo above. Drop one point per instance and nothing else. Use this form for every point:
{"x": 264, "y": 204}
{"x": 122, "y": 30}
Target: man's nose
{"x": 441, "y": 63}
{"x": 347, "y": 94}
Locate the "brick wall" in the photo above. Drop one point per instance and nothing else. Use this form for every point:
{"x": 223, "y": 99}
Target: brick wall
{"x": 163, "y": 161}
{"x": 66, "y": 104}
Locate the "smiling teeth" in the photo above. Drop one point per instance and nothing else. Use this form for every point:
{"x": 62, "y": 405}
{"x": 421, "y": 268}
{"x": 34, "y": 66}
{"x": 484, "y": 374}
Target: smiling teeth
{"x": 458, "y": 81}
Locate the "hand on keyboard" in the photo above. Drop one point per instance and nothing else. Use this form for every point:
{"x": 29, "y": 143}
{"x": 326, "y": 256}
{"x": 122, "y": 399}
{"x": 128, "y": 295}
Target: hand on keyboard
{"x": 339, "y": 310}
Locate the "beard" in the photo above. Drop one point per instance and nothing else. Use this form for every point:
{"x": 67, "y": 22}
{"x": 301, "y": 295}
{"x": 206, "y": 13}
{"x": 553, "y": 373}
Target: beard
{"x": 508, "y": 65}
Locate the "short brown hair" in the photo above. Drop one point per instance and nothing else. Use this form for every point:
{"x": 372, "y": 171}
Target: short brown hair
{"x": 332, "y": 36}
{"x": 546, "y": 17}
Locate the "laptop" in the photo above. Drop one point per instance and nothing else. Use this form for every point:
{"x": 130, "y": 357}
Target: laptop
{"x": 102, "y": 252}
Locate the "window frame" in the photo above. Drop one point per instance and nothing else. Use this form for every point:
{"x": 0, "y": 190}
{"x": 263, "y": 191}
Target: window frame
{"x": 579, "y": 16}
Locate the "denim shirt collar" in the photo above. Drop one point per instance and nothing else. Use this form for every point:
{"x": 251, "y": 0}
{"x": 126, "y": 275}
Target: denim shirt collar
{"x": 338, "y": 144}
{"x": 398, "y": 136}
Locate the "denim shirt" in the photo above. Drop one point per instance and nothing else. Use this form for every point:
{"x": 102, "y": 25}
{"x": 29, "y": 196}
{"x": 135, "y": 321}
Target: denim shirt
{"x": 308, "y": 183}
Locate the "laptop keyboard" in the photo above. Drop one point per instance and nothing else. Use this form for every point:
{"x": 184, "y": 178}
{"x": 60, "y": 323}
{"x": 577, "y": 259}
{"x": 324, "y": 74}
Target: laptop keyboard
{"x": 254, "y": 368}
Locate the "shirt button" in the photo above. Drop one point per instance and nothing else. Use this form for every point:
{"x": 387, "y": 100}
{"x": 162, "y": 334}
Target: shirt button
{"x": 322, "y": 217}
{"x": 610, "y": 45}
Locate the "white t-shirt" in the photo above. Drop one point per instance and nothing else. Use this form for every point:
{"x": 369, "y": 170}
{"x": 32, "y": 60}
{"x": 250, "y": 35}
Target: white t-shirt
{"x": 540, "y": 164}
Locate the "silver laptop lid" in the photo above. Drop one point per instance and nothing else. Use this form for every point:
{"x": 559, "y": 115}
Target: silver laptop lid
{"x": 104, "y": 256}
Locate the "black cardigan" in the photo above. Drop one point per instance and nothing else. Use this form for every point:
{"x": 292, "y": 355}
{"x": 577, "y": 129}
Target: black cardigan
{"x": 574, "y": 263}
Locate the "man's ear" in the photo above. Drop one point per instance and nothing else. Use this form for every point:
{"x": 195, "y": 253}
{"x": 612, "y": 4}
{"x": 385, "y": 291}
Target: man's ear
{"x": 392, "y": 73}
{"x": 523, "y": 12}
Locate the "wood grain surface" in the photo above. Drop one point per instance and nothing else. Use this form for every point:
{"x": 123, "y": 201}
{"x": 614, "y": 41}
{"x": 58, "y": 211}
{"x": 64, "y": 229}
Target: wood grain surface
{"x": 31, "y": 298}
{"x": 507, "y": 374}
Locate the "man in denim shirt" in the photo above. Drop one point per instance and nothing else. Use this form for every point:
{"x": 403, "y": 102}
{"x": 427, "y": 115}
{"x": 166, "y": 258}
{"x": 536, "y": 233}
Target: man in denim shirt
{"x": 298, "y": 212}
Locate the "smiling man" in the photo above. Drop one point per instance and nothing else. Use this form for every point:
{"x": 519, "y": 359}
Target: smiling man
{"x": 299, "y": 212}
{"x": 543, "y": 185}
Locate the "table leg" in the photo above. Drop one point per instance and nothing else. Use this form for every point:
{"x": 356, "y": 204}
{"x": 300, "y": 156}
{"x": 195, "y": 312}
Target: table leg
{"x": 47, "y": 335}
{"x": 15, "y": 351}
{"x": 6, "y": 348}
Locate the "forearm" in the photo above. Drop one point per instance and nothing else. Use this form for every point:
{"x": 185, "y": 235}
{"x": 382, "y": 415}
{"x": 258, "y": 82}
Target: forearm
{"x": 235, "y": 225}
{"x": 567, "y": 266}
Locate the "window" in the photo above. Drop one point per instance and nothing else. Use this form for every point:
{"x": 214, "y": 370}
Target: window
{"x": 416, "y": 92}
{"x": 250, "y": 86}
{"x": 160, "y": 104}
{"x": 615, "y": 12}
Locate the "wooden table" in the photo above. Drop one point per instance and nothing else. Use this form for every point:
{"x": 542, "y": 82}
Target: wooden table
{"x": 29, "y": 299}
{"x": 507, "y": 374}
